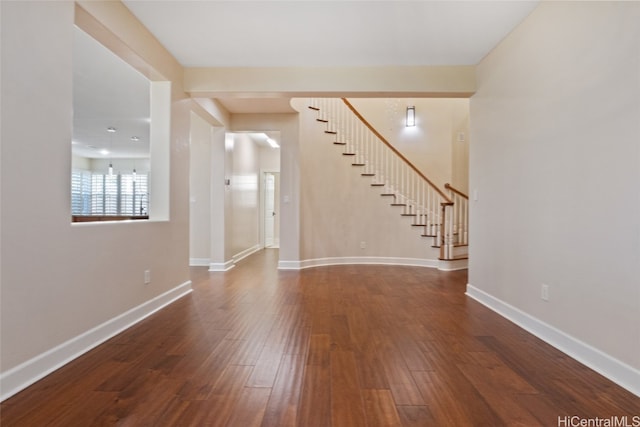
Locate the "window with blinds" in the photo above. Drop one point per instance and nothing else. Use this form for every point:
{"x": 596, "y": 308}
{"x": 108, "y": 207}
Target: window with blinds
{"x": 109, "y": 195}
{"x": 81, "y": 193}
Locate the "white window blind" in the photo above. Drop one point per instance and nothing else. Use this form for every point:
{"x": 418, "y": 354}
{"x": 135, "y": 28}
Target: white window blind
{"x": 133, "y": 194}
{"x": 81, "y": 192}
{"x": 104, "y": 194}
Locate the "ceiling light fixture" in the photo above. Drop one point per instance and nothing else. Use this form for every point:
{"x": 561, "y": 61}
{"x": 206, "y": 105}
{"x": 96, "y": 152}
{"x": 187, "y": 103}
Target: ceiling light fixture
{"x": 272, "y": 143}
{"x": 411, "y": 116}
{"x": 111, "y": 131}
{"x": 135, "y": 139}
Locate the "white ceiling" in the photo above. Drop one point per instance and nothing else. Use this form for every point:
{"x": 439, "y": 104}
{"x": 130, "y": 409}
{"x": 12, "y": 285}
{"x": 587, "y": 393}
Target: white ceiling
{"x": 329, "y": 33}
{"x": 265, "y": 33}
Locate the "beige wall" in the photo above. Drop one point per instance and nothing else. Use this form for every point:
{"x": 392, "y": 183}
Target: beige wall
{"x": 555, "y": 160}
{"x": 339, "y": 208}
{"x": 209, "y": 198}
{"x": 431, "y": 145}
{"x": 61, "y": 280}
{"x": 269, "y": 158}
{"x": 244, "y": 174}
{"x": 200, "y": 191}
{"x": 287, "y": 125}
{"x": 460, "y": 140}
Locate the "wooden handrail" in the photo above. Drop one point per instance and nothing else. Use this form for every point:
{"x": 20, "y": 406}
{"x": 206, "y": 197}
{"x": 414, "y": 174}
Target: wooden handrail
{"x": 458, "y": 192}
{"x": 447, "y": 200}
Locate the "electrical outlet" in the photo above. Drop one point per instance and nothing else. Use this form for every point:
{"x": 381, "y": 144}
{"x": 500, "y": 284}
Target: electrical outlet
{"x": 363, "y": 245}
{"x": 147, "y": 277}
{"x": 544, "y": 292}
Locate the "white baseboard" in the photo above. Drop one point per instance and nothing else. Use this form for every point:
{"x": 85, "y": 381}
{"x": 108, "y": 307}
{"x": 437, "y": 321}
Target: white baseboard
{"x": 221, "y": 266}
{"x": 619, "y": 372}
{"x": 228, "y": 265}
{"x": 320, "y": 262}
{"x": 453, "y": 264}
{"x": 249, "y": 251}
{"x": 27, "y": 373}
{"x": 288, "y": 265}
{"x": 199, "y": 262}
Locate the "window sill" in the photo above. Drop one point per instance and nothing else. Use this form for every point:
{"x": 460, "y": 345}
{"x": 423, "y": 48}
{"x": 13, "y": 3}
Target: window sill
{"x": 96, "y": 218}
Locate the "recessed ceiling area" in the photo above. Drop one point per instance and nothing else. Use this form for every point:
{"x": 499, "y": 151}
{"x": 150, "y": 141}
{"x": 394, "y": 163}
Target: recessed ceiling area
{"x": 329, "y": 33}
{"x": 108, "y": 93}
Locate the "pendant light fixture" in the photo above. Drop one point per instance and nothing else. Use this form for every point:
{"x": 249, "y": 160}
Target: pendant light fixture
{"x": 111, "y": 131}
{"x": 134, "y": 139}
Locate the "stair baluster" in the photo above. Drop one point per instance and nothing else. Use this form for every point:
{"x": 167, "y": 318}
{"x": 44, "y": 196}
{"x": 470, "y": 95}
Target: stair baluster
{"x": 443, "y": 217}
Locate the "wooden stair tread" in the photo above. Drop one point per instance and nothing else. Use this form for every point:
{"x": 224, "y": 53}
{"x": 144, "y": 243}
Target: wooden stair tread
{"x": 418, "y": 217}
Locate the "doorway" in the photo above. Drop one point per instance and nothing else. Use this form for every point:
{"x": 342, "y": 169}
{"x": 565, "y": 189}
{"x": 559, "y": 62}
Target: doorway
{"x": 270, "y": 220}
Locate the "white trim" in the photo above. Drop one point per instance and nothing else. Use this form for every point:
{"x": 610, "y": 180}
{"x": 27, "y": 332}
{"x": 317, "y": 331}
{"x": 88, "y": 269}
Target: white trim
{"x": 228, "y": 265}
{"x": 288, "y": 265}
{"x": 221, "y": 266}
{"x": 199, "y": 262}
{"x": 320, "y": 262}
{"x": 619, "y": 372}
{"x": 242, "y": 255}
{"x": 27, "y": 373}
{"x": 276, "y": 244}
{"x": 453, "y": 264}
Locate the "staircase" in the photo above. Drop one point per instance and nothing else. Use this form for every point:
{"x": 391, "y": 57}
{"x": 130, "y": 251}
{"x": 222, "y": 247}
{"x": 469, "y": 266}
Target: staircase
{"x": 441, "y": 216}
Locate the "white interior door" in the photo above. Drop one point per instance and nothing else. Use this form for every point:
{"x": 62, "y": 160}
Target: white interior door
{"x": 269, "y": 210}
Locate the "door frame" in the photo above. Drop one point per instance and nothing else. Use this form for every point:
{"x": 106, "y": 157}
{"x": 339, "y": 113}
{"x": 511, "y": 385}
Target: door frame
{"x": 262, "y": 207}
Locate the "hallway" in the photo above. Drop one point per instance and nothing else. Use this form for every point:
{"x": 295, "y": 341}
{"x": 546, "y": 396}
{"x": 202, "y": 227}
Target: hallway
{"x": 329, "y": 346}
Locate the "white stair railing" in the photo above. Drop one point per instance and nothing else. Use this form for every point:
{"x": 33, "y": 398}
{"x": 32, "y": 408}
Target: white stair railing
{"x": 460, "y": 215}
{"x": 396, "y": 176}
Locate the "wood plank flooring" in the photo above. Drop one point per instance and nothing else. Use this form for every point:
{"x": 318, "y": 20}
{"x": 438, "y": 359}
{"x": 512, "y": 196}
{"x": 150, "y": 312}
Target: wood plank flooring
{"x": 332, "y": 346}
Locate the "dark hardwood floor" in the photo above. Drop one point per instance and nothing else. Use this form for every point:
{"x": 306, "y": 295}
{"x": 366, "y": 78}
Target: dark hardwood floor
{"x": 331, "y": 346}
